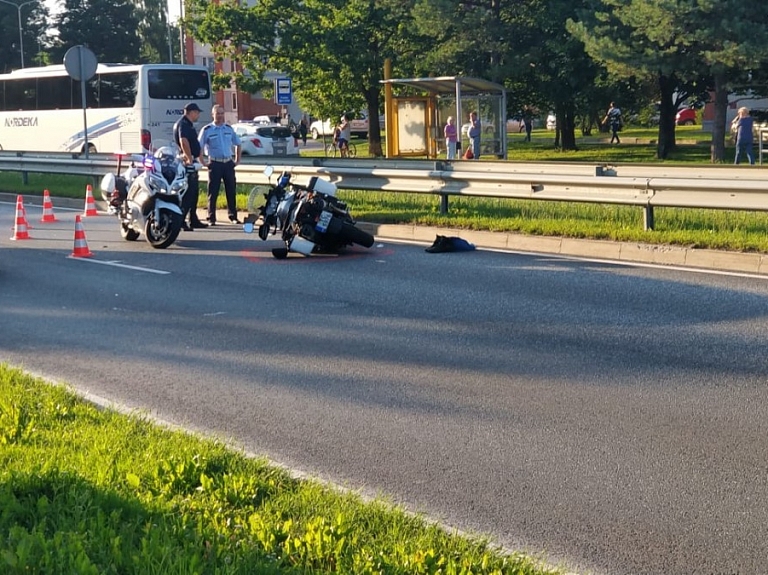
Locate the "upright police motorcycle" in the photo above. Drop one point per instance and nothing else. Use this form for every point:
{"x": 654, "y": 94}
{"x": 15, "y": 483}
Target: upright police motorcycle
{"x": 147, "y": 197}
{"x": 309, "y": 218}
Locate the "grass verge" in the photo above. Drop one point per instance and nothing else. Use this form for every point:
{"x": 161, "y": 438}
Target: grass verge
{"x": 699, "y": 228}
{"x": 91, "y": 491}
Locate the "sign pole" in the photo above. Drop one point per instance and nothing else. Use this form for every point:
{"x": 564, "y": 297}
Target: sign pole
{"x": 82, "y": 99}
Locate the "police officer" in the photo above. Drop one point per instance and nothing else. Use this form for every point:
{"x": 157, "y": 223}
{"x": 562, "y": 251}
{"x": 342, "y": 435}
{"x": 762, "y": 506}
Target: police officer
{"x": 222, "y": 146}
{"x": 185, "y": 135}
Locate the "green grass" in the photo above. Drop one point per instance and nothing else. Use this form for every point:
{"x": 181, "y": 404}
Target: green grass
{"x": 715, "y": 229}
{"x": 91, "y": 491}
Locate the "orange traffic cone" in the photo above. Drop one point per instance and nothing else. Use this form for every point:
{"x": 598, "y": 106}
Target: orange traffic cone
{"x": 20, "y": 231}
{"x": 81, "y": 246}
{"x": 24, "y": 213}
{"x": 90, "y": 203}
{"x": 48, "y": 215}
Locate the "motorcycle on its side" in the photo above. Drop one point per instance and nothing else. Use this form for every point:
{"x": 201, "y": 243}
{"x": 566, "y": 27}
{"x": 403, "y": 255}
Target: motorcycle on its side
{"x": 147, "y": 197}
{"x": 309, "y": 218}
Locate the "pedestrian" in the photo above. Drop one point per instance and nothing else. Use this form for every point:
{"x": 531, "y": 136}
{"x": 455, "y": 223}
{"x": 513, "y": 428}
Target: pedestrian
{"x": 613, "y": 117}
{"x": 185, "y": 135}
{"x": 473, "y": 133}
{"x": 743, "y": 124}
{"x": 345, "y": 134}
{"x": 303, "y": 129}
{"x": 222, "y": 146}
{"x": 450, "y": 139}
{"x": 527, "y": 123}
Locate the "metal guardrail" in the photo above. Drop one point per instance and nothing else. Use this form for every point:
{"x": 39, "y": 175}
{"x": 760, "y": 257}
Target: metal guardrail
{"x": 645, "y": 186}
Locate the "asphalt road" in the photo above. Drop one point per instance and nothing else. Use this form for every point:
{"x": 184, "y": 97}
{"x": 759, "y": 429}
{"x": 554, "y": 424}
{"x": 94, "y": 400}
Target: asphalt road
{"x": 611, "y": 417}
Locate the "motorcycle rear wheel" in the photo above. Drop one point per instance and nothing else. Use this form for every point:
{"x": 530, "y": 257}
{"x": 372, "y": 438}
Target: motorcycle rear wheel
{"x": 163, "y": 233}
{"x": 350, "y": 233}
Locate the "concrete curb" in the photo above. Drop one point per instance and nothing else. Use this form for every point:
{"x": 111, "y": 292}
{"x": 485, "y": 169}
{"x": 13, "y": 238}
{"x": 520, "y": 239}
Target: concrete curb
{"x": 738, "y": 262}
{"x": 751, "y": 263}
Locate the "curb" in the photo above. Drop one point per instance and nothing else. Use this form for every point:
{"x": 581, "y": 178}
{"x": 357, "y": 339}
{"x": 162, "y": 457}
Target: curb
{"x": 630, "y": 252}
{"x": 738, "y": 262}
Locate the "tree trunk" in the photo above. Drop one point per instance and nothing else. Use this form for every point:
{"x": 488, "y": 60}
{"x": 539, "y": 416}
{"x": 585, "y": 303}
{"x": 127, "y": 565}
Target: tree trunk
{"x": 717, "y": 147}
{"x": 568, "y": 141}
{"x": 667, "y": 114}
{"x": 374, "y": 127}
{"x": 565, "y": 130}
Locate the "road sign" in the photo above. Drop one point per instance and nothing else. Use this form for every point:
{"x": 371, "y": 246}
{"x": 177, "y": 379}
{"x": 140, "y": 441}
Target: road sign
{"x": 80, "y": 63}
{"x": 283, "y": 90}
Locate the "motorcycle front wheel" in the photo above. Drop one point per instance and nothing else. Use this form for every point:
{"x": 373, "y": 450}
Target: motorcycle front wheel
{"x": 162, "y": 233}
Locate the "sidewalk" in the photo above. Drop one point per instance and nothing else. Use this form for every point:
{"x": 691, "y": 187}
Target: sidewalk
{"x": 751, "y": 263}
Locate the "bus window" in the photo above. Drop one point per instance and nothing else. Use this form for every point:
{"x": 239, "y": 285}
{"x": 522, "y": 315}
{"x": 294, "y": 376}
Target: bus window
{"x": 54, "y": 93}
{"x": 117, "y": 90}
{"x": 169, "y": 84}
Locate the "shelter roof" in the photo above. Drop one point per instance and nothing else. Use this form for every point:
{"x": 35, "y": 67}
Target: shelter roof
{"x": 447, "y": 84}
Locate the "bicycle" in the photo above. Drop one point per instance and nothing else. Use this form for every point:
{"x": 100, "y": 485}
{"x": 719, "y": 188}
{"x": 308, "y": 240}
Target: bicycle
{"x": 332, "y": 150}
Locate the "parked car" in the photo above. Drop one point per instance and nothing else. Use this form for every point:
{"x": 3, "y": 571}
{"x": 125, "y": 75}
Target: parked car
{"x": 486, "y": 125}
{"x": 358, "y": 127}
{"x": 266, "y": 139}
{"x": 267, "y": 119}
{"x": 685, "y": 117}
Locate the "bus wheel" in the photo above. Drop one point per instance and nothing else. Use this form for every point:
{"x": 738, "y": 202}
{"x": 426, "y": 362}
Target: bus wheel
{"x": 91, "y": 149}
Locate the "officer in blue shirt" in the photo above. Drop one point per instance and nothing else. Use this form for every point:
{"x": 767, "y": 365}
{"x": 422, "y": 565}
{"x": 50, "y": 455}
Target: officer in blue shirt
{"x": 185, "y": 135}
{"x": 221, "y": 144}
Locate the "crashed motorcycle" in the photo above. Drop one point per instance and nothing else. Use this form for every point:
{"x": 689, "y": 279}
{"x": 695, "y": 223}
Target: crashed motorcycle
{"x": 147, "y": 196}
{"x": 309, "y": 218}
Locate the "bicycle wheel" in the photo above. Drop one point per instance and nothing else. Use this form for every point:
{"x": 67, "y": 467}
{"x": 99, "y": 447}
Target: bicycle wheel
{"x": 351, "y": 150}
{"x": 331, "y": 150}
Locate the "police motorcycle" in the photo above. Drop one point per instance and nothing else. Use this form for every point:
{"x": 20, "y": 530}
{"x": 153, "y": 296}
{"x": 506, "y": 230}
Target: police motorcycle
{"x": 147, "y": 197}
{"x": 309, "y": 218}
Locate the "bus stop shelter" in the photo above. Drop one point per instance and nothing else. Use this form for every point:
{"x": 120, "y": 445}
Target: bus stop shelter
{"x": 415, "y": 118}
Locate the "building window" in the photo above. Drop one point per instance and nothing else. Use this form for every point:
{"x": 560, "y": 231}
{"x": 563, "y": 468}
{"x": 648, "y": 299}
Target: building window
{"x": 234, "y": 101}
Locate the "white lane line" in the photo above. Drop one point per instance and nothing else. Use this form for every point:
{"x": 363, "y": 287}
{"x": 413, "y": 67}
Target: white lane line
{"x": 119, "y": 265}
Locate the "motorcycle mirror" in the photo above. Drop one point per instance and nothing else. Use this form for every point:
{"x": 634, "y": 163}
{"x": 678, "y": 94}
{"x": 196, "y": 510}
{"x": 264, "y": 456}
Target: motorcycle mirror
{"x": 248, "y": 227}
{"x": 268, "y": 171}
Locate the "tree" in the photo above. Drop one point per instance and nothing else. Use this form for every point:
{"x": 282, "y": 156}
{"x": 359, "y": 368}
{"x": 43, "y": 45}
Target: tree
{"x": 153, "y": 30}
{"x": 682, "y": 45}
{"x": 334, "y": 50}
{"x": 730, "y": 39}
{"x": 108, "y": 27}
{"x": 33, "y": 34}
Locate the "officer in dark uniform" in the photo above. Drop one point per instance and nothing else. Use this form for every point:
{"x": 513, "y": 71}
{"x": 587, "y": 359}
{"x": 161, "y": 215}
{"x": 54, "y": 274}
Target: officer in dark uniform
{"x": 185, "y": 134}
{"x": 222, "y": 146}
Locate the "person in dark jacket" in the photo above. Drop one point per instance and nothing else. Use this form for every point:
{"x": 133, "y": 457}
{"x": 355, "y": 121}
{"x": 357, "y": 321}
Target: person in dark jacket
{"x": 185, "y": 135}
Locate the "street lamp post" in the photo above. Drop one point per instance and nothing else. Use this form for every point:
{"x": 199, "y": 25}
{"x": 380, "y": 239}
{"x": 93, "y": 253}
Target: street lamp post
{"x": 21, "y": 30}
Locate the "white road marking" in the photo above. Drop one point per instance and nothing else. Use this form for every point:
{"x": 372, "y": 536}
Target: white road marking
{"x": 119, "y": 265}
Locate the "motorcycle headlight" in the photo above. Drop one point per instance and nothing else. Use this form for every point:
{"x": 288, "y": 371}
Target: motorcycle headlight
{"x": 178, "y": 186}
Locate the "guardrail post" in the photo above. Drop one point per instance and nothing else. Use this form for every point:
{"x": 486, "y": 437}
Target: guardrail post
{"x": 648, "y": 218}
{"x": 443, "y": 204}
{"x": 24, "y": 175}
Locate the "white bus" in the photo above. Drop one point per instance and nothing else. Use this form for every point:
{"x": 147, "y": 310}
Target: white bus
{"x": 129, "y": 107}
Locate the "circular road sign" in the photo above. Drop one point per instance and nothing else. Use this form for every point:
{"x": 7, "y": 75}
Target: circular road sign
{"x": 80, "y": 63}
